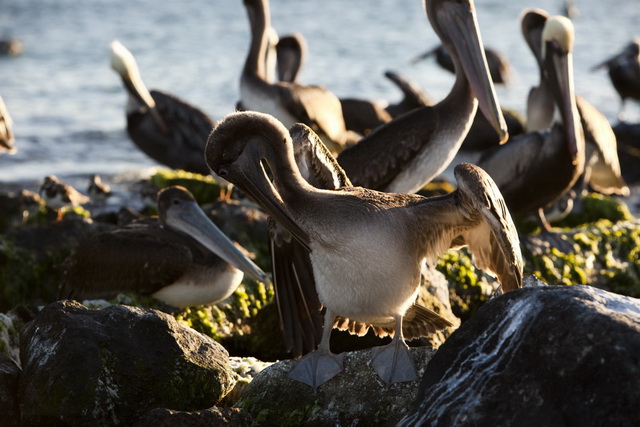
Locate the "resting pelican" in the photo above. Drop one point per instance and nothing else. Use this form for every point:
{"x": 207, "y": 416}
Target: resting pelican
{"x": 535, "y": 169}
{"x": 498, "y": 64}
{"x": 624, "y": 72}
{"x": 164, "y": 127}
{"x": 602, "y": 166}
{"x": 6, "y": 130}
{"x": 366, "y": 246}
{"x": 401, "y": 156}
{"x": 290, "y": 102}
{"x": 180, "y": 258}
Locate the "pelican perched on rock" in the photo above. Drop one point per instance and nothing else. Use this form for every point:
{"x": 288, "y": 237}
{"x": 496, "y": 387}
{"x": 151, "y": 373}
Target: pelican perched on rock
{"x": 498, "y": 64}
{"x": 366, "y": 247}
{"x": 290, "y": 102}
{"x": 164, "y": 127}
{"x": 180, "y": 258}
{"x": 602, "y": 166}
{"x": 624, "y": 72}
{"x": 6, "y": 130}
{"x": 536, "y": 169}
{"x": 401, "y": 156}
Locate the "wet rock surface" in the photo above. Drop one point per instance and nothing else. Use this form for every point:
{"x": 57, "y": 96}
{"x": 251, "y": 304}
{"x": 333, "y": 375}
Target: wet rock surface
{"x": 9, "y": 407}
{"x": 541, "y": 356}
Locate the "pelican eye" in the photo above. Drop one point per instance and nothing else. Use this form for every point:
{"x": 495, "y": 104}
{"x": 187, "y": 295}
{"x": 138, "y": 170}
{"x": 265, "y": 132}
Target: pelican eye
{"x": 222, "y": 172}
{"x": 175, "y": 202}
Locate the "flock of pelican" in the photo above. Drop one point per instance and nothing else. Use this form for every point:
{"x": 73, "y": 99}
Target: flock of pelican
{"x": 337, "y": 177}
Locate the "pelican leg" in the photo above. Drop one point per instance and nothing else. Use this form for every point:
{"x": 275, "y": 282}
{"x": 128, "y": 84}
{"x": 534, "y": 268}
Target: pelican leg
{"x": 321, "y": 365}
{"x": 393, "y": 362}
{"x": 553, "y": 238}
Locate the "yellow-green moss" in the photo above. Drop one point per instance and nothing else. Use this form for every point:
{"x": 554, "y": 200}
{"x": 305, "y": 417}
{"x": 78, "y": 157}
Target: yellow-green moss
{"x": 469, "y": 287}
{"x": 239, "y": 322}
{"x": 204, "y": 188}
{"x": 594, "y": 208}
{"x": 606, "y": 255}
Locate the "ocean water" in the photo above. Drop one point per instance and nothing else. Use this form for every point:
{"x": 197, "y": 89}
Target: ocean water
{"x": 68, "y": 105}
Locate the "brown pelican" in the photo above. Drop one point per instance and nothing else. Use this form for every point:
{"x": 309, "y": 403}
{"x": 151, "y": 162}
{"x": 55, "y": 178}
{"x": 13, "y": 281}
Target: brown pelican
{"x": 498, "y": 64}
{"x": 624, "y": 72}
{"x": 166, "y": 128}
{"x": 291, "y": 54}
{"x": 366, "y": 246}
{"x": 290, "y": 102}
{"x": 414, "y": 96}
{"x": 6, "y": 130}
{"x": 408, "y": 152}
{"x": 58, "y": 195}
{"x": 401, "y": 156}
{"x": 180, "y": 258}
{"x": 361, "y": 116}
{"x": 535, "y": 169}
{"x": 602, "y": 167}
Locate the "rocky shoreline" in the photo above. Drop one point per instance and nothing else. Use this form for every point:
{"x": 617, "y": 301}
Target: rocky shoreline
{"x": 534, "y": 356}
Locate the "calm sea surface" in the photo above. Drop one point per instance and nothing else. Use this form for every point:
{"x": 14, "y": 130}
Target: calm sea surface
{"x": 68, "y": 105}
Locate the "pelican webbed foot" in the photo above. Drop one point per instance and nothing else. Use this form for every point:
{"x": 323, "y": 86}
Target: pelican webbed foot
{"x": 393, "y": 362}
{"x": 317, "y": 367}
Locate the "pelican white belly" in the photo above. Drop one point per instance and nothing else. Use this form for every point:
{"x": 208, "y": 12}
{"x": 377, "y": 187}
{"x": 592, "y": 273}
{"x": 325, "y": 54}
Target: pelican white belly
{"x": 256, "y": 100}
{"x": 365, "y": 274}
{"x": 201, "y": 288}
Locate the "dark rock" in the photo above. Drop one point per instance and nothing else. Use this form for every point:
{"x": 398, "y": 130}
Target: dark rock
{"x": 111, "y": 366}
{"x": 228, "y": 417}
{"x": 9, "y": 408}
{"x": 30, "y": 259}
{"x": 540, "y": 356}
{"x": 355, "y": 396}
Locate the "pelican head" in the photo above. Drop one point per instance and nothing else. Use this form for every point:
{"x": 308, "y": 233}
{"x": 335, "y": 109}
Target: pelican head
{"x": 456, "y": 24}
{"x": 124, "y": 63}
{"x": 180, "y": 211}
{"x": 532, "y": 22}
{"x": 559, "y": 30}
{"x": 557, "y": 47}
{"x": 237, "y": 149}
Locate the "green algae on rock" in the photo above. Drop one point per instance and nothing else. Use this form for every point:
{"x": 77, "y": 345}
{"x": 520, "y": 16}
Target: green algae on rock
{"x": 204, "y": 188}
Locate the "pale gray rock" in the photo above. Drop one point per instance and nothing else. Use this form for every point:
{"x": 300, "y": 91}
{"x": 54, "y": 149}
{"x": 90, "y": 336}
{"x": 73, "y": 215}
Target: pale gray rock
{"x": 356, "y": 396}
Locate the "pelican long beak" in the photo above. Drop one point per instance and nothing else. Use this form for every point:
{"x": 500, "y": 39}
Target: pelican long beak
{"x": 190, "y": 219}
{"x": 260, "y": 189}
{"x": 461, "y": 25}
{"x": 559, "y": 66}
